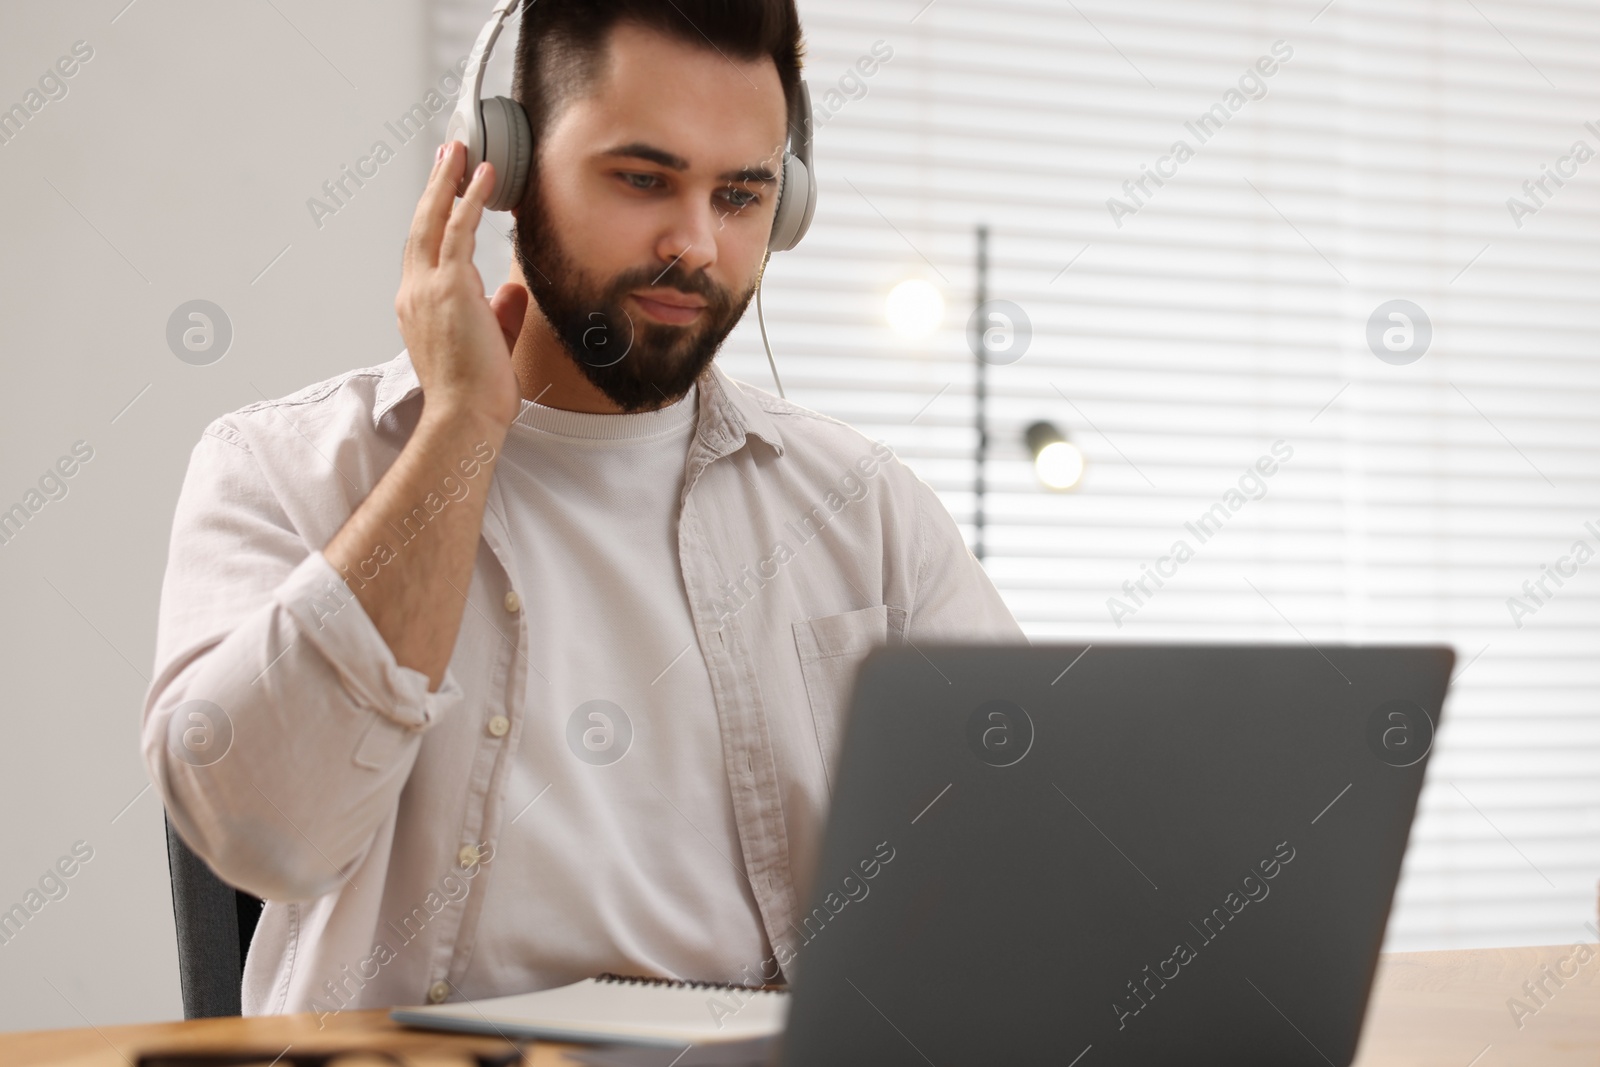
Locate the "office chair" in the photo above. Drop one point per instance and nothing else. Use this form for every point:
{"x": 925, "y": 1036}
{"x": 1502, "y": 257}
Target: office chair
{"x": 215, "y": 923}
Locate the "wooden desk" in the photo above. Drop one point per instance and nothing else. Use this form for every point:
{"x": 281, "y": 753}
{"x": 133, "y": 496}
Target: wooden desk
{"x": 1430, "y": 1009}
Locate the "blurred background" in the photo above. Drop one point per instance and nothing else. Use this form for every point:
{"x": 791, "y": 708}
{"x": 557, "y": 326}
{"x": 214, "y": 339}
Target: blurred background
{"x": 1372, "y": 262}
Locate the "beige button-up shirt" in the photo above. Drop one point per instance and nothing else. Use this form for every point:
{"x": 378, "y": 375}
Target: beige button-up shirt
{"x": 306, "y": 766}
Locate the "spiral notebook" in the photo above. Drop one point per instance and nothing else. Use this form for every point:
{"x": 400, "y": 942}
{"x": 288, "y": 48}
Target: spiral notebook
{"x": 617, "y": 1008}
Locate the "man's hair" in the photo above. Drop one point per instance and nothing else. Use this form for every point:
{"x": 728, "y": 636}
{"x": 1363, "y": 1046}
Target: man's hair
{"x": 559, "y": 48}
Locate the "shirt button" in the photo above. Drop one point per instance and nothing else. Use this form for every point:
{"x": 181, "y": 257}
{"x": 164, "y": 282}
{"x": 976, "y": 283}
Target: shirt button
{"x": 499, "y": 725}
{"x": 438, "y": 991}
{"x": 513, "y": 601}
{"x": 468, "y": 855}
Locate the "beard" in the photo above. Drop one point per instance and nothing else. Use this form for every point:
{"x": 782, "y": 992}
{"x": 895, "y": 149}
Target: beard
{"x": 638, "y": 365}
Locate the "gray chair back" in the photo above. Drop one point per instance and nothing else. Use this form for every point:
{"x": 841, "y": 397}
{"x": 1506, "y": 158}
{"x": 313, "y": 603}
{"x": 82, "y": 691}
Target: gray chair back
{"x": 215, "y": 923}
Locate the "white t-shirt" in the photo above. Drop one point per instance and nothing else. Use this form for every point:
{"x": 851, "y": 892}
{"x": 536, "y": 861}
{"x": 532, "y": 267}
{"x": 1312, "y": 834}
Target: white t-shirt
{"x": 628, "y": 849}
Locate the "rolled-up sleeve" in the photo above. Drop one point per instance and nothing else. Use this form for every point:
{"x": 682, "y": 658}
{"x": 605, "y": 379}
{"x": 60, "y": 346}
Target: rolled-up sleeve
{"x": 279, "y": 729}
{"x": 954, "y": 598}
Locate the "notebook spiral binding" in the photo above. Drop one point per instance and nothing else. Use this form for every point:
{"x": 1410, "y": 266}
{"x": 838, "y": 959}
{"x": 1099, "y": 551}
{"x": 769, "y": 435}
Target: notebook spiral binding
{"x": 684, "y": 983}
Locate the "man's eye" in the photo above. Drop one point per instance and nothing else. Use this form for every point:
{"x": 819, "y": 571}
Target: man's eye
{"x": 739, "y": 199}
{"x": 641, "y": 181}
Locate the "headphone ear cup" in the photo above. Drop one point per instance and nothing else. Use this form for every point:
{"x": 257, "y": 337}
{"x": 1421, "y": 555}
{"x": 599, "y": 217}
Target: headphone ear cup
{"x": 508, "y": 144}
{"x": 797, "y": 203}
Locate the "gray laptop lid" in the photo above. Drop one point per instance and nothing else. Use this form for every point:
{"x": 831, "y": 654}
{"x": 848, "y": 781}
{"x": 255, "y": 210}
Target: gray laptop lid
{"x": 1151, "y": 855}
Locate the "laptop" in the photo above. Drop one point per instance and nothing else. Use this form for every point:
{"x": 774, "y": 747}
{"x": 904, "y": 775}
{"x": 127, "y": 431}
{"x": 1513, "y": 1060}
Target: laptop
{"x": 1112, "y": 855}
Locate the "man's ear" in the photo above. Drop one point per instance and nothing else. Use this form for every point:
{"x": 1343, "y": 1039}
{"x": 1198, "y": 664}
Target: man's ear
{"x": 510, "y": 306}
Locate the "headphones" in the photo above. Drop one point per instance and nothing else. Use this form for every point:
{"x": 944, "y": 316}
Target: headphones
{"x": 497, "y": 130}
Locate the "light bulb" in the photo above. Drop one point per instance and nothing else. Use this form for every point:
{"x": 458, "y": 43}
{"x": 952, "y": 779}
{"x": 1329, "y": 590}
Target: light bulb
{"x": 915, "y": 308}
{"x": 1059, "y": 465}
{"x": 1057, "y": 461}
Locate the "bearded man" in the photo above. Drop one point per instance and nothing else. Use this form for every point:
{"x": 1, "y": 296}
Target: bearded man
{"x": 526, "y": 655}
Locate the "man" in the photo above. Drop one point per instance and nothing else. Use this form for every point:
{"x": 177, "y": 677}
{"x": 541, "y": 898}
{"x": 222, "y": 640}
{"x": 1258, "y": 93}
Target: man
{"x": 524, "y": 656}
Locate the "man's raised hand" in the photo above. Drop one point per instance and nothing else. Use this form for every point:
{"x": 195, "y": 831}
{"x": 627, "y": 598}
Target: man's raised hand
{"x": 460, "y": 341}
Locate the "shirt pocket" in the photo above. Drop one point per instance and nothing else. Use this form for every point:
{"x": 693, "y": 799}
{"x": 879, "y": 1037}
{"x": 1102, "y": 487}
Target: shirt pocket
{"x": 831, "y": 649}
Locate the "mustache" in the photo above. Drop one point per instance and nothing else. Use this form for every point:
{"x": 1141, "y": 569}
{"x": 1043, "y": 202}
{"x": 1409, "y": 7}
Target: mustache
{"x": 673, "y": 277}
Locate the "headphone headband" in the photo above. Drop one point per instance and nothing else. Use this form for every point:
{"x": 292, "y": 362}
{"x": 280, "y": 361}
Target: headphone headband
{"x": 472, "y": 81}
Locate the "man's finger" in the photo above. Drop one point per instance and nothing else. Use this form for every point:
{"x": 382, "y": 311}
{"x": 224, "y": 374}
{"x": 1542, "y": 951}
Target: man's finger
{"x": 433, "y": 210}
{"x": 461, "y": 232}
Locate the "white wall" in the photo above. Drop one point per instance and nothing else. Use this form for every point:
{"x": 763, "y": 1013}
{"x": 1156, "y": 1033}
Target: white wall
{"x": 177, "y": 167}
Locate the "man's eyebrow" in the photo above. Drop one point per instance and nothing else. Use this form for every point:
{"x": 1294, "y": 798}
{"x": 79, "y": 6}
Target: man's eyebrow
{"x": 757, "y": 175}
{"x": 639, "y": 150}
{"x": 750, "y": 176}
